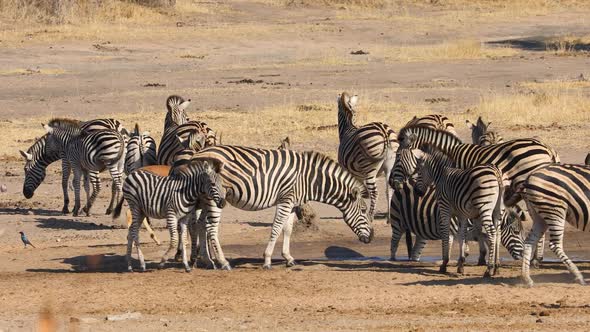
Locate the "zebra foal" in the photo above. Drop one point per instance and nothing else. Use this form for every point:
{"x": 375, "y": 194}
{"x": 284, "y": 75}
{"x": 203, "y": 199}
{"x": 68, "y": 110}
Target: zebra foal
{"x": 474, "y": 193}
{"x": 555, "y": 195}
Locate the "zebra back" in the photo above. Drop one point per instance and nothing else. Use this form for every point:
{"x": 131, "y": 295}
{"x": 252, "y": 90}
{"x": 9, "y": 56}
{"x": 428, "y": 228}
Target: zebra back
{"x": 434, "y": 121}
{"x": 103, "y": 124}
{"x": 170, "y": 144}
{"x": 141, "y": 150}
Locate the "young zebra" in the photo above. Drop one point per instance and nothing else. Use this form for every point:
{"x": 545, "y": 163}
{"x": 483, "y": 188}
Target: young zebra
{"x": 257, "y": 179}
{"x": 47, "y": 150}
{"x": 141, "y": 150}
{"x": 365, "y": 151}
{"x": 554, "y": 195}
{"x": 172, "y": 197}
{"x": 481, "y": 134}
{"x": 474, "y": 193}
{"x": 88, "y": 154}
{"x": 419, "y": 214}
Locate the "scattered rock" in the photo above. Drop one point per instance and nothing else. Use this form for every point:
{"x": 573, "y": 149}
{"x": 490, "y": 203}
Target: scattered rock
{"x": 3, "y": 188}
{"x": 58, "y": 240}
{"x": 125, "y": 316}
{"x": 154, "y": 85}
{"x": 180, "y": 24}
{"x": 9, "y": 173}
{"x": 437, "y": 100}
{"x": 544, "y": 313}
{"x": 539, "y": 320}
{"x": 359, "y": 52}
{"x": 247, "y": 81}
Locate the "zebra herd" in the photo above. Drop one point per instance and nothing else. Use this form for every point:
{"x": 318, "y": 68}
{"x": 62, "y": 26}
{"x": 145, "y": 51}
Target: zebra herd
{"x": 437, "y": 186}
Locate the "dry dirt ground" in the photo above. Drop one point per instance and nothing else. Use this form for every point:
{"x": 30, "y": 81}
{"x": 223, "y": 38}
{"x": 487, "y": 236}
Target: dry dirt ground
{"x": 75, "y": 277}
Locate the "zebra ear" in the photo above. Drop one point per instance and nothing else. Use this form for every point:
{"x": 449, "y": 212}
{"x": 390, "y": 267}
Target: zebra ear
{"x": 136, "y": 130}
{"x": 27, "y": 156}
{"x": 47, "y": 128}
{"x": 184, "y": 142}
{"x": 469, "y": 124}
{"x": 184, "y": 105}
{"x": 353, "y": 100}
{"x": 419, "y": 154}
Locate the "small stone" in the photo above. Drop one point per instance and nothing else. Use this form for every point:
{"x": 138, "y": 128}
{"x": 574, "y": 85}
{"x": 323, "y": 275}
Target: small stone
{"x": 58, "y": 240}
{"x": 539, "y": 320}
{"x": 544, "y": 313}
{"x": 3, "y": 188}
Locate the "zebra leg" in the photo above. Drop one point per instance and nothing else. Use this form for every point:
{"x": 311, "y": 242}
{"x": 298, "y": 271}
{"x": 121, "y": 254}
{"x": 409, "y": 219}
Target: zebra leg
{"x": 113, "y": 200}
{"x": 201, "y": 242}
{"x": 539, "y": 249}
{"x": 65, "y": 178}
{"x": 396, "y": 233}
{"x": 133, "y": 236}
{"x": 148, "y": 227}
{"x": 491, "y": 239}
{"x": 371, "y": 185}
{"x": 194, "y": 234}
{"x": 172, "y": 225}
{"x": 287, "y": 229}
{"x": 117, "y": 186}
{"x": 76, "y": 183}
{"x": 213, "y": 218}
{"x": 95, "y": 181}
{"x": 556, "y": 222}
{"x": 462, "y": 231}
{"x": 445, "y": 221}
{"x": 483, "y": 249}
{"x": 417, "y": 249}
{"x": 539, "y": 227}
{"x": 183, "y": 239}
{"x": 282, "y": 213}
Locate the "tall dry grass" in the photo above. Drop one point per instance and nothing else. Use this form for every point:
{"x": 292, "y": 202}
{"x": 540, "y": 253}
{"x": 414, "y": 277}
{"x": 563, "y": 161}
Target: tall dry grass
{"x": 450, "y": 50}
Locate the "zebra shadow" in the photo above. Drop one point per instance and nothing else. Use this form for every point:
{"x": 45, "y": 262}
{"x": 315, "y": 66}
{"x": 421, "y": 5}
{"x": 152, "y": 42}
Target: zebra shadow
{"x": 105, "y": 263}
{"x": 36, "y": 212}
{"x": 72, "y": 224}
{"x": 541, "y": 278}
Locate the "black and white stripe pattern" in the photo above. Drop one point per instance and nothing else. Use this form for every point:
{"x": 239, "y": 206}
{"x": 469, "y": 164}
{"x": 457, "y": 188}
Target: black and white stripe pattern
{"x": 434, "y": 121}
{"x": 474, "y": 193}
{"x": 555, "y": 195}
{"x": 257, "y": 179}
{"x": 47, "y": 148}
{"x": 88, "y": 154}
{"x": 176, "y": 114}
{"x": 172, "y": 197}
{"x": 170, "y": 145}
{"x": 365, "y": 151}
{"x": 141, "y": 150}
{"x": 419, "y": 214}
{"x": 515, "y": 159}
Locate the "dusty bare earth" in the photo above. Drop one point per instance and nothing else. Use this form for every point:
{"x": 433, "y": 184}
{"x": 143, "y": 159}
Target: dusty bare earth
{"x": 75, "y": 277}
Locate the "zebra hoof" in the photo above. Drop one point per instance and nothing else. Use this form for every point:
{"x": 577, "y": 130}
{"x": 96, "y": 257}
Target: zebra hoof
{"x": 129, "y": 269}
{"x": 290, "y": 263}
{"x": 161, "y": 265}
{"x": 226, "y": 267}
{"x": 267, "y": 267}
{"x": 460, "y": 270}
{"x": 581, "y": 281}
{"x": 535, "y": 263}
{"x": 187, "y": 269}
{"x": 65, "y": 210}
{"x": 178, "y": 256}
{"x": 392, "y": 259}
{"x": 528, "y": 283}
{"x": 442, "y": 269}
{"x": 481, "y": 262}
{"x": 487, "y": 275}
{"x": 109, "y": 212}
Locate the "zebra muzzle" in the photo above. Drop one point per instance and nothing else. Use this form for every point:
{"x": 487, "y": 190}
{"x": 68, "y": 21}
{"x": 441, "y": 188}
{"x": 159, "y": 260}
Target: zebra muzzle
{"x": 222, "y": 203}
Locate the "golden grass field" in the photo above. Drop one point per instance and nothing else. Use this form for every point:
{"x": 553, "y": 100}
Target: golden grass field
{"x": 257, "y": 71}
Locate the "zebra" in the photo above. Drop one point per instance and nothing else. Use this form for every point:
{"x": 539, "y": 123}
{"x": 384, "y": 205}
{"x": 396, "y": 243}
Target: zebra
{"x": 365, "y": 151}
{"x": 473, "y": 193}
{"x": 554, "y": 195}
{"x": 419, "y": 214}
{"x": 434, "y": 121}
{"x": 481, "y": 135}
{"x": 171, "y": 197}
{"x": 257, "y": 179}
{"x": 170, "y": 145}
{"x": 88, "y": 154}
{"x": 176, "y": 114}
{"x": 141, "y": 150}
{"x": 47, "y": 150}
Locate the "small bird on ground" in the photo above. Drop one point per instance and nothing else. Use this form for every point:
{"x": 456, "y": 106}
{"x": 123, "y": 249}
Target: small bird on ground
{"x": 26, "y": 241}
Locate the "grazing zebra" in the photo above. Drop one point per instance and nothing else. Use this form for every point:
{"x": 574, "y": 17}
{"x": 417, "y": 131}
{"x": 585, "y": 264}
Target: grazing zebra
{"x": 474, "y": 193}
{"x": 170, "y": 145}
{"x": 171, "y": 197}
{"x": 47, "y": 150}
{"x": 482, "y": 135}
{"x": 515, "y": 159}
{"x": 141, "y": 150}
{"x": 419, "y": 214}
{"x": 257, "y": 179}
{"x": 88, "y": 154}
{"x": 365, "y": 151}
{"x": 554, "y": 195}
{"x": 434, "y": 121}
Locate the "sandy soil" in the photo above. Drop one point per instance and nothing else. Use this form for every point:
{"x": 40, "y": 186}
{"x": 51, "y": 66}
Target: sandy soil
{"x": 75, "y": 277}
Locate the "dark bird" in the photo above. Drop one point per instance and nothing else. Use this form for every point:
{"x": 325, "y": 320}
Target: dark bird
{"x": 26, "y": 241}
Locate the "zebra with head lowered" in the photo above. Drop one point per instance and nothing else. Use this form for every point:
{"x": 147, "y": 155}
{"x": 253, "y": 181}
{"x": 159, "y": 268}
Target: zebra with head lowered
{"x": 257, "y": 179}
{"x": 173, "y": 197}
{"x": 420, "y": 215}
{"x": 555, "y": 195}
{"x": 88, "y": 154}
{"x": 47, "y": 150}
{"x": 474, "y": 193}
{"x": 365, "y": 151}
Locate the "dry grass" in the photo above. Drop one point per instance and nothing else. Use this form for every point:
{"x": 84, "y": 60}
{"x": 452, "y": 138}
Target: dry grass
{"x": 555, "y": 113}
{"x": 32, "y": 71}
{"x": 452, "y": 50}
{"x": 568, "y": 45}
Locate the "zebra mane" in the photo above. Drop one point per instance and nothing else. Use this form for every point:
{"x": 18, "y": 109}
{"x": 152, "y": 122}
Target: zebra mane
{"x": 439, "y": 156}
{"x": 64, "y": 123}
{"x": 318, "y": 156}
{"x": 408, "y": 132}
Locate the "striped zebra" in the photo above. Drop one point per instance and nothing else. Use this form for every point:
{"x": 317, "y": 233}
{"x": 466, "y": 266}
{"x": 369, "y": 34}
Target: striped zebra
{"x": 474, "y": 193}
{"x": 172, "y": 197}
{"x": 47, "y": 150}
{"x": 481, "y": 134}
{"x": 176, "y": 114}
{"x": 170, "y": 145}
{"x": 419, "y": 214}
{"x": 554, "y": 195}
{"x": 434, "y": 121}
{"x": 257, "y": 179}
{"x": 88, "y": 154}
{"x": 365, "y": 151}
{"x": 141, "y": 150}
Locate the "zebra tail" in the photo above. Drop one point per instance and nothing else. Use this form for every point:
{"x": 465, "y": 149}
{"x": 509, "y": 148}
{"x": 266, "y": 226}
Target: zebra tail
{"x": 118, "y": 208}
